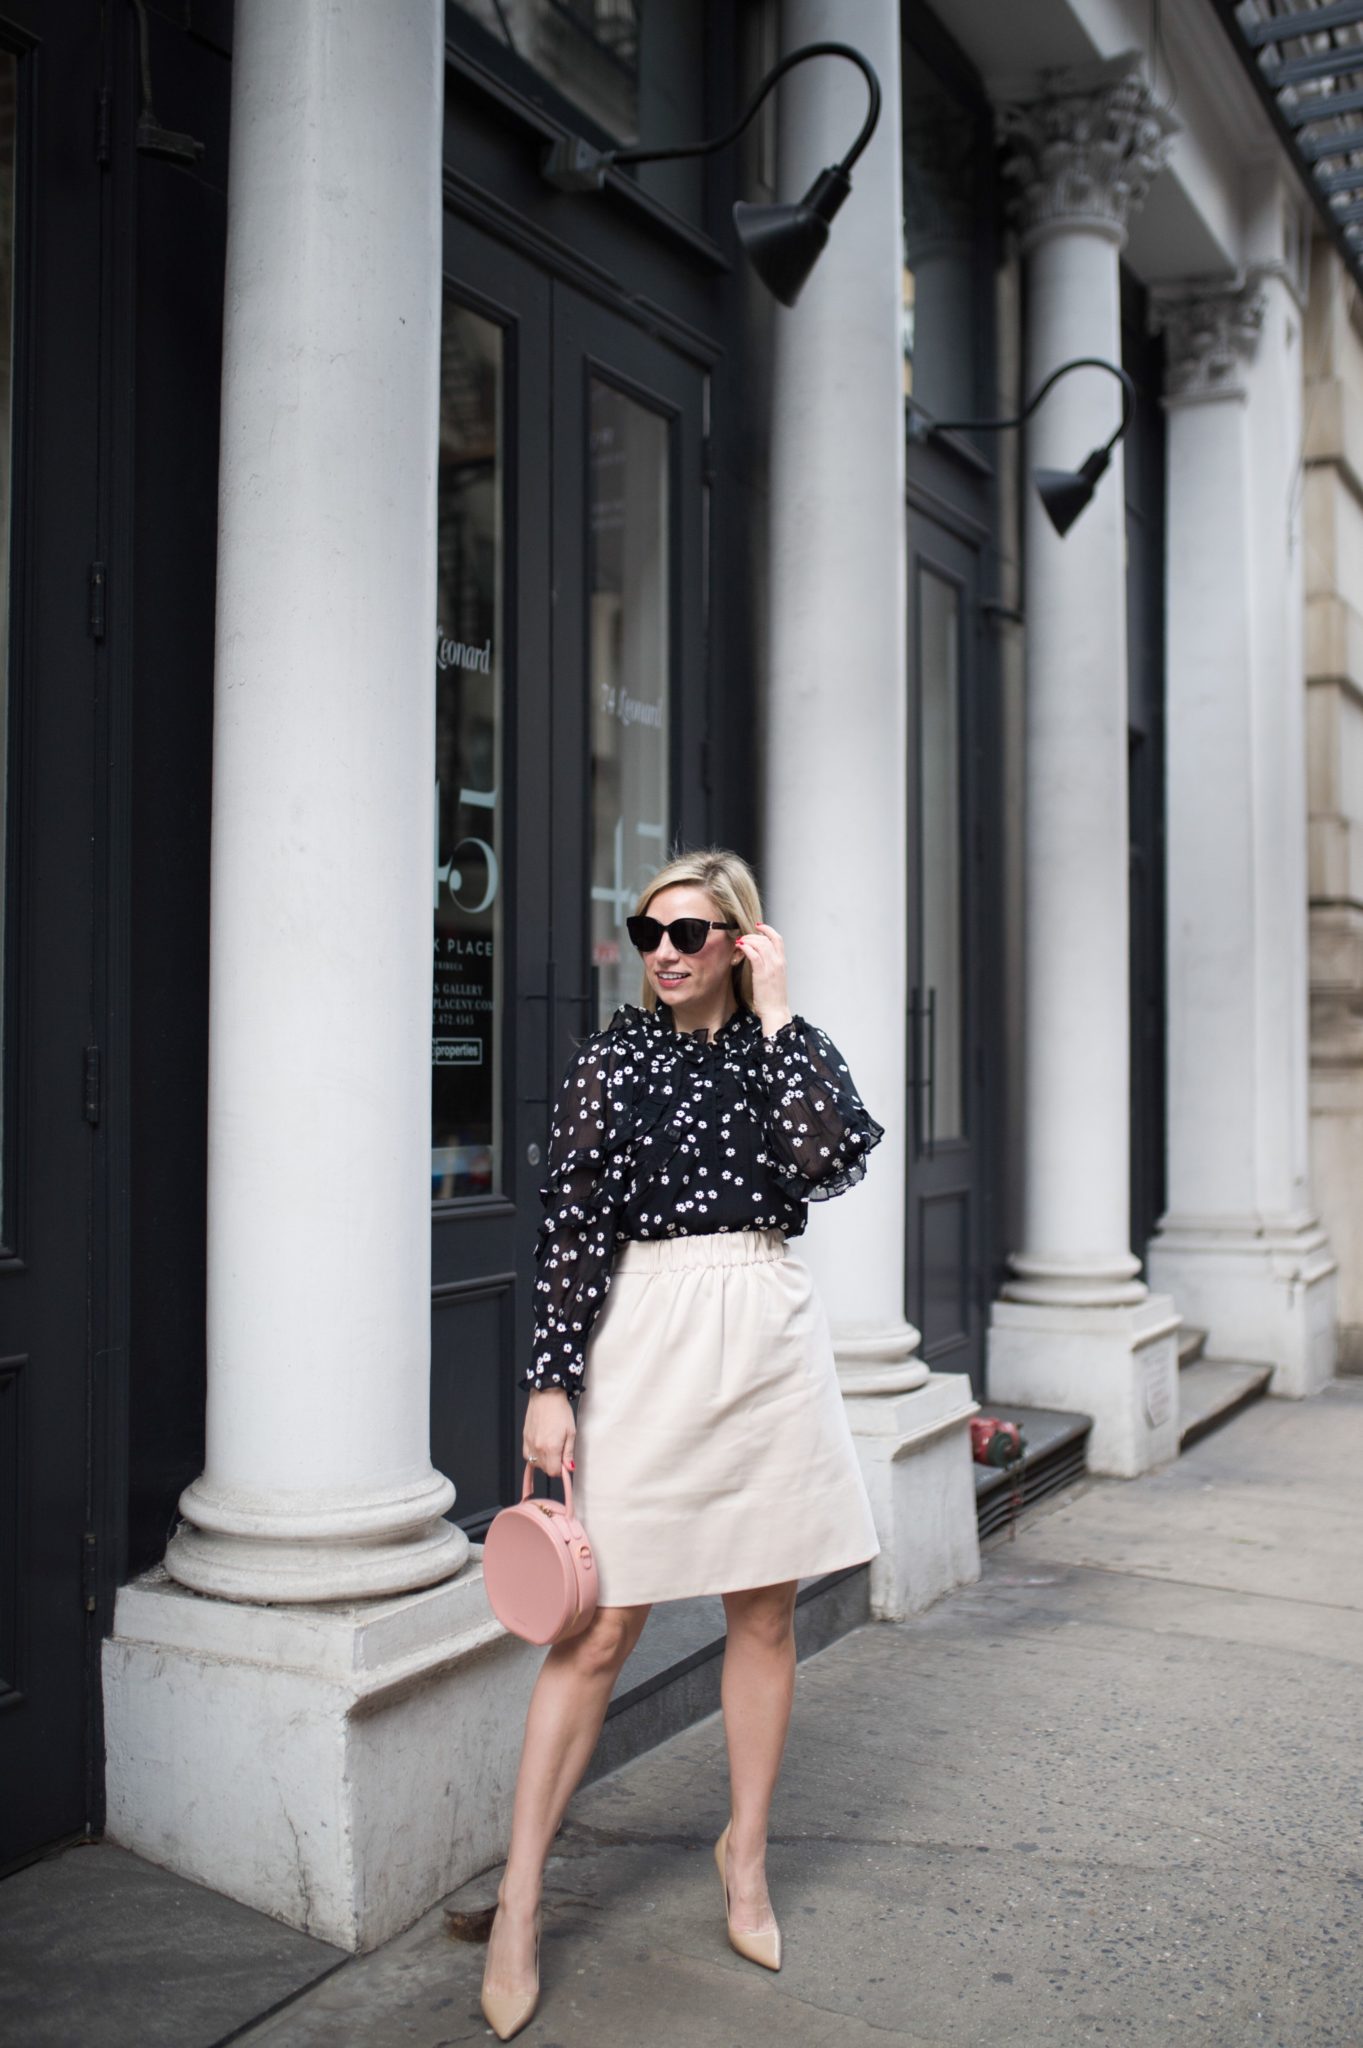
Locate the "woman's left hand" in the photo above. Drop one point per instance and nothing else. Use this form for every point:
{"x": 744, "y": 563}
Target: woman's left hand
{"x": 765, "y": 952}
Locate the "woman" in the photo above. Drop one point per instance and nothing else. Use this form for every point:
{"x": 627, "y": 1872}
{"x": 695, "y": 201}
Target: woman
{"x": 683, "y": 1369}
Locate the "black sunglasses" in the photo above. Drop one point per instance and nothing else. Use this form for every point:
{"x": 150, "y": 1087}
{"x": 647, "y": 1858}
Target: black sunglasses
{"x": 688, "y": 934}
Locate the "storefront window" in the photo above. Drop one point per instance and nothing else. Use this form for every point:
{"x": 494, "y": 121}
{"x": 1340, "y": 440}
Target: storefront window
{"x": 629, "y": 677}
{"x": 8, "y": 83}
{"x": 587, "y": 49}
{"x": 633, "y": 69}
{"x": 466, "y": 1034}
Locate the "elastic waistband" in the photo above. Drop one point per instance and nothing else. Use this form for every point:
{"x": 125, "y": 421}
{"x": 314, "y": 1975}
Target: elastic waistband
{"x": 714, "y": 1248}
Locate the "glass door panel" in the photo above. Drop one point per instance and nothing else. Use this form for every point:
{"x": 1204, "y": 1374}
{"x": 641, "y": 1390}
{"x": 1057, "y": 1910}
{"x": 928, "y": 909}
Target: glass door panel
{"x": 629, "y": 676}
{"x": 469, "y": 902}
{"x": 629, "y": 642}
{"x": 942, "y": 1114}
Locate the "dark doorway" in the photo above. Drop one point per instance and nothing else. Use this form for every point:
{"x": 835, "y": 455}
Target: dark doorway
{"x": 1142, "y": 357}
{"x": 50, "y": 246}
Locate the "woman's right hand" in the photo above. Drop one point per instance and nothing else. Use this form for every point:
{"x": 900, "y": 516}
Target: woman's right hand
{"x": 550, "y": 1431}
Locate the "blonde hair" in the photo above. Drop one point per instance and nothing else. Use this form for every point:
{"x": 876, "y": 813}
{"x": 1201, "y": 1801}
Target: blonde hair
{"x": 727, "y": 878}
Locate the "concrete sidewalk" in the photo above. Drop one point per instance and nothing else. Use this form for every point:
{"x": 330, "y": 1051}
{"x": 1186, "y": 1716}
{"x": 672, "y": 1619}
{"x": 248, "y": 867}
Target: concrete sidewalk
{"x": 1113, "y": 1792}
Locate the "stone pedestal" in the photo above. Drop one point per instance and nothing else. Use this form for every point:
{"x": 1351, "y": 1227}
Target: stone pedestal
{"x": 338, "y": 1767}
{"x": 1239, "y": 1247}
{"x": 915, "y": 1457}
{"x": 1075, "y": 1328}
{"x": 1117, "y": 1364}
{"x": 836, "y": 737}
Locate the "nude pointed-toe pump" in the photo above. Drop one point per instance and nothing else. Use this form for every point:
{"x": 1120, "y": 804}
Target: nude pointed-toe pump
{"x": 506, "y": 2012}
{"x": 763, "y": 1947}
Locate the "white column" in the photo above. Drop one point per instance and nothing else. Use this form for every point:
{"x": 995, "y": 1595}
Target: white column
{"x": 1239, "y": 1246}
{"x": 834, "y": 787}
{"x": 1076, "y": 1328}
{"x": 318, "y": 1481}
{"x": 278, "y": 1752}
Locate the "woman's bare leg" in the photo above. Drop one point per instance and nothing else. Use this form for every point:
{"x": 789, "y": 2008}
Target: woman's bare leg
{"x": 567, "y": 1709}
{"x": 756, "y": 1690}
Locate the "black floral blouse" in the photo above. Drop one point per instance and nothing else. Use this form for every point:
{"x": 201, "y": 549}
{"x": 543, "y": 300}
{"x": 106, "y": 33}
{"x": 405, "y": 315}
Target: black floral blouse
{"x": 659, "y": 1132}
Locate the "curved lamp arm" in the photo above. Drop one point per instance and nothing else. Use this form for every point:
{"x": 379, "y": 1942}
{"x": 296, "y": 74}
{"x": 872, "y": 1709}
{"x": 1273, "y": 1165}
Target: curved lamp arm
{"x": 1063, "y": 492}
{"x": 777, "y": 72}
{"x": 924, "y": 427}
{"x": 575, "y": 166}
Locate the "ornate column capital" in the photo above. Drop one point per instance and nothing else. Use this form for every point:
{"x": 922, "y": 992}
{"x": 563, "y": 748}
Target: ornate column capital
{"x": 1211, "y": 330}
{"x": 1080, "y": 147}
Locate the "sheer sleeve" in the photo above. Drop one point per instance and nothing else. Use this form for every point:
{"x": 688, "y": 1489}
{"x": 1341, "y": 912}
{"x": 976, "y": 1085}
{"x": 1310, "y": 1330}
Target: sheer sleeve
{"x": 817, "y": 1130}
{"x": 576, "y": 1242}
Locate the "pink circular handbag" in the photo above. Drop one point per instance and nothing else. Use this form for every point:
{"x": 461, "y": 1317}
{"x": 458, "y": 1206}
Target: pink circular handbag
{"x": 538, "y": 1567}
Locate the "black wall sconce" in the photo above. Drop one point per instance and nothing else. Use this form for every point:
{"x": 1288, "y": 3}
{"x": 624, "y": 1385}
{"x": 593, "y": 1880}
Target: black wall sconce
{"x": 783, "y": 242}
{"x": 1063, "y": 492}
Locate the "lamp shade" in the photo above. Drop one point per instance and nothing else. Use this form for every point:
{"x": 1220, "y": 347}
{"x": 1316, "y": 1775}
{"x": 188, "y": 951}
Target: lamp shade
{"x": 783, "y": 243}
{"x": 1065, "y": 492}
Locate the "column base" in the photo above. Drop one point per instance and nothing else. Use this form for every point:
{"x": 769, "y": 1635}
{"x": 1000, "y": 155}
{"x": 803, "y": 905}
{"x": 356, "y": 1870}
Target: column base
{"x": 915, "y": 1458}
{"x": 1262, "y": 1294}
{"x": 1119, "y": 1365}
{"x": 233, "y": 1546}
{"x": 296, "y": 1574}
{"x": 883, "y": 1361}
{"x": 340, "y": 1768}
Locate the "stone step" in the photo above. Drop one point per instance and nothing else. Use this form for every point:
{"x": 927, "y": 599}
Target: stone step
{"x": 1191, "y": 1345}
{"x": 1214, "y": 1389}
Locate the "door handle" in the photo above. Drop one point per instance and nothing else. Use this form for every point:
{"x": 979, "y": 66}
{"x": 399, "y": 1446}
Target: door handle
{"x": 932, "y": 1072}
{"x": 923, "y": 1082}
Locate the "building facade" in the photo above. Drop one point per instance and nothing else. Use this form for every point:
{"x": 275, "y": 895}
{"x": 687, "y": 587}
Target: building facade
{"x": 309, "y": 364}
{"x": 1334, "y": 710}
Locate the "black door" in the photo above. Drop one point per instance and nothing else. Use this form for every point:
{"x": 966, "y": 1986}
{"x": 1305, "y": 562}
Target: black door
{"x": 947, "y": 949}
{"x": 570, "y": 662}
{"x": 1143, "y": 469}
{"x": 50, "y": 71}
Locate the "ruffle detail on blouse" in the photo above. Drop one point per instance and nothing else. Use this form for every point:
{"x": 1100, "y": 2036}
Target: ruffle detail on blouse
{"x": 644, "y": 1125}
{"x": 819, "y": 1131}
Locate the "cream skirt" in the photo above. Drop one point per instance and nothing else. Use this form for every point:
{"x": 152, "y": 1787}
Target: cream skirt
{"x": 713, "y": 1450}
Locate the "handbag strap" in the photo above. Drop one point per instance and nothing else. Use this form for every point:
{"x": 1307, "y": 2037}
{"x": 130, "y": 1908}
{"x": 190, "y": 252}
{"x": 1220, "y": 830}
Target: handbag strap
{"x": 528, "y": 1486}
